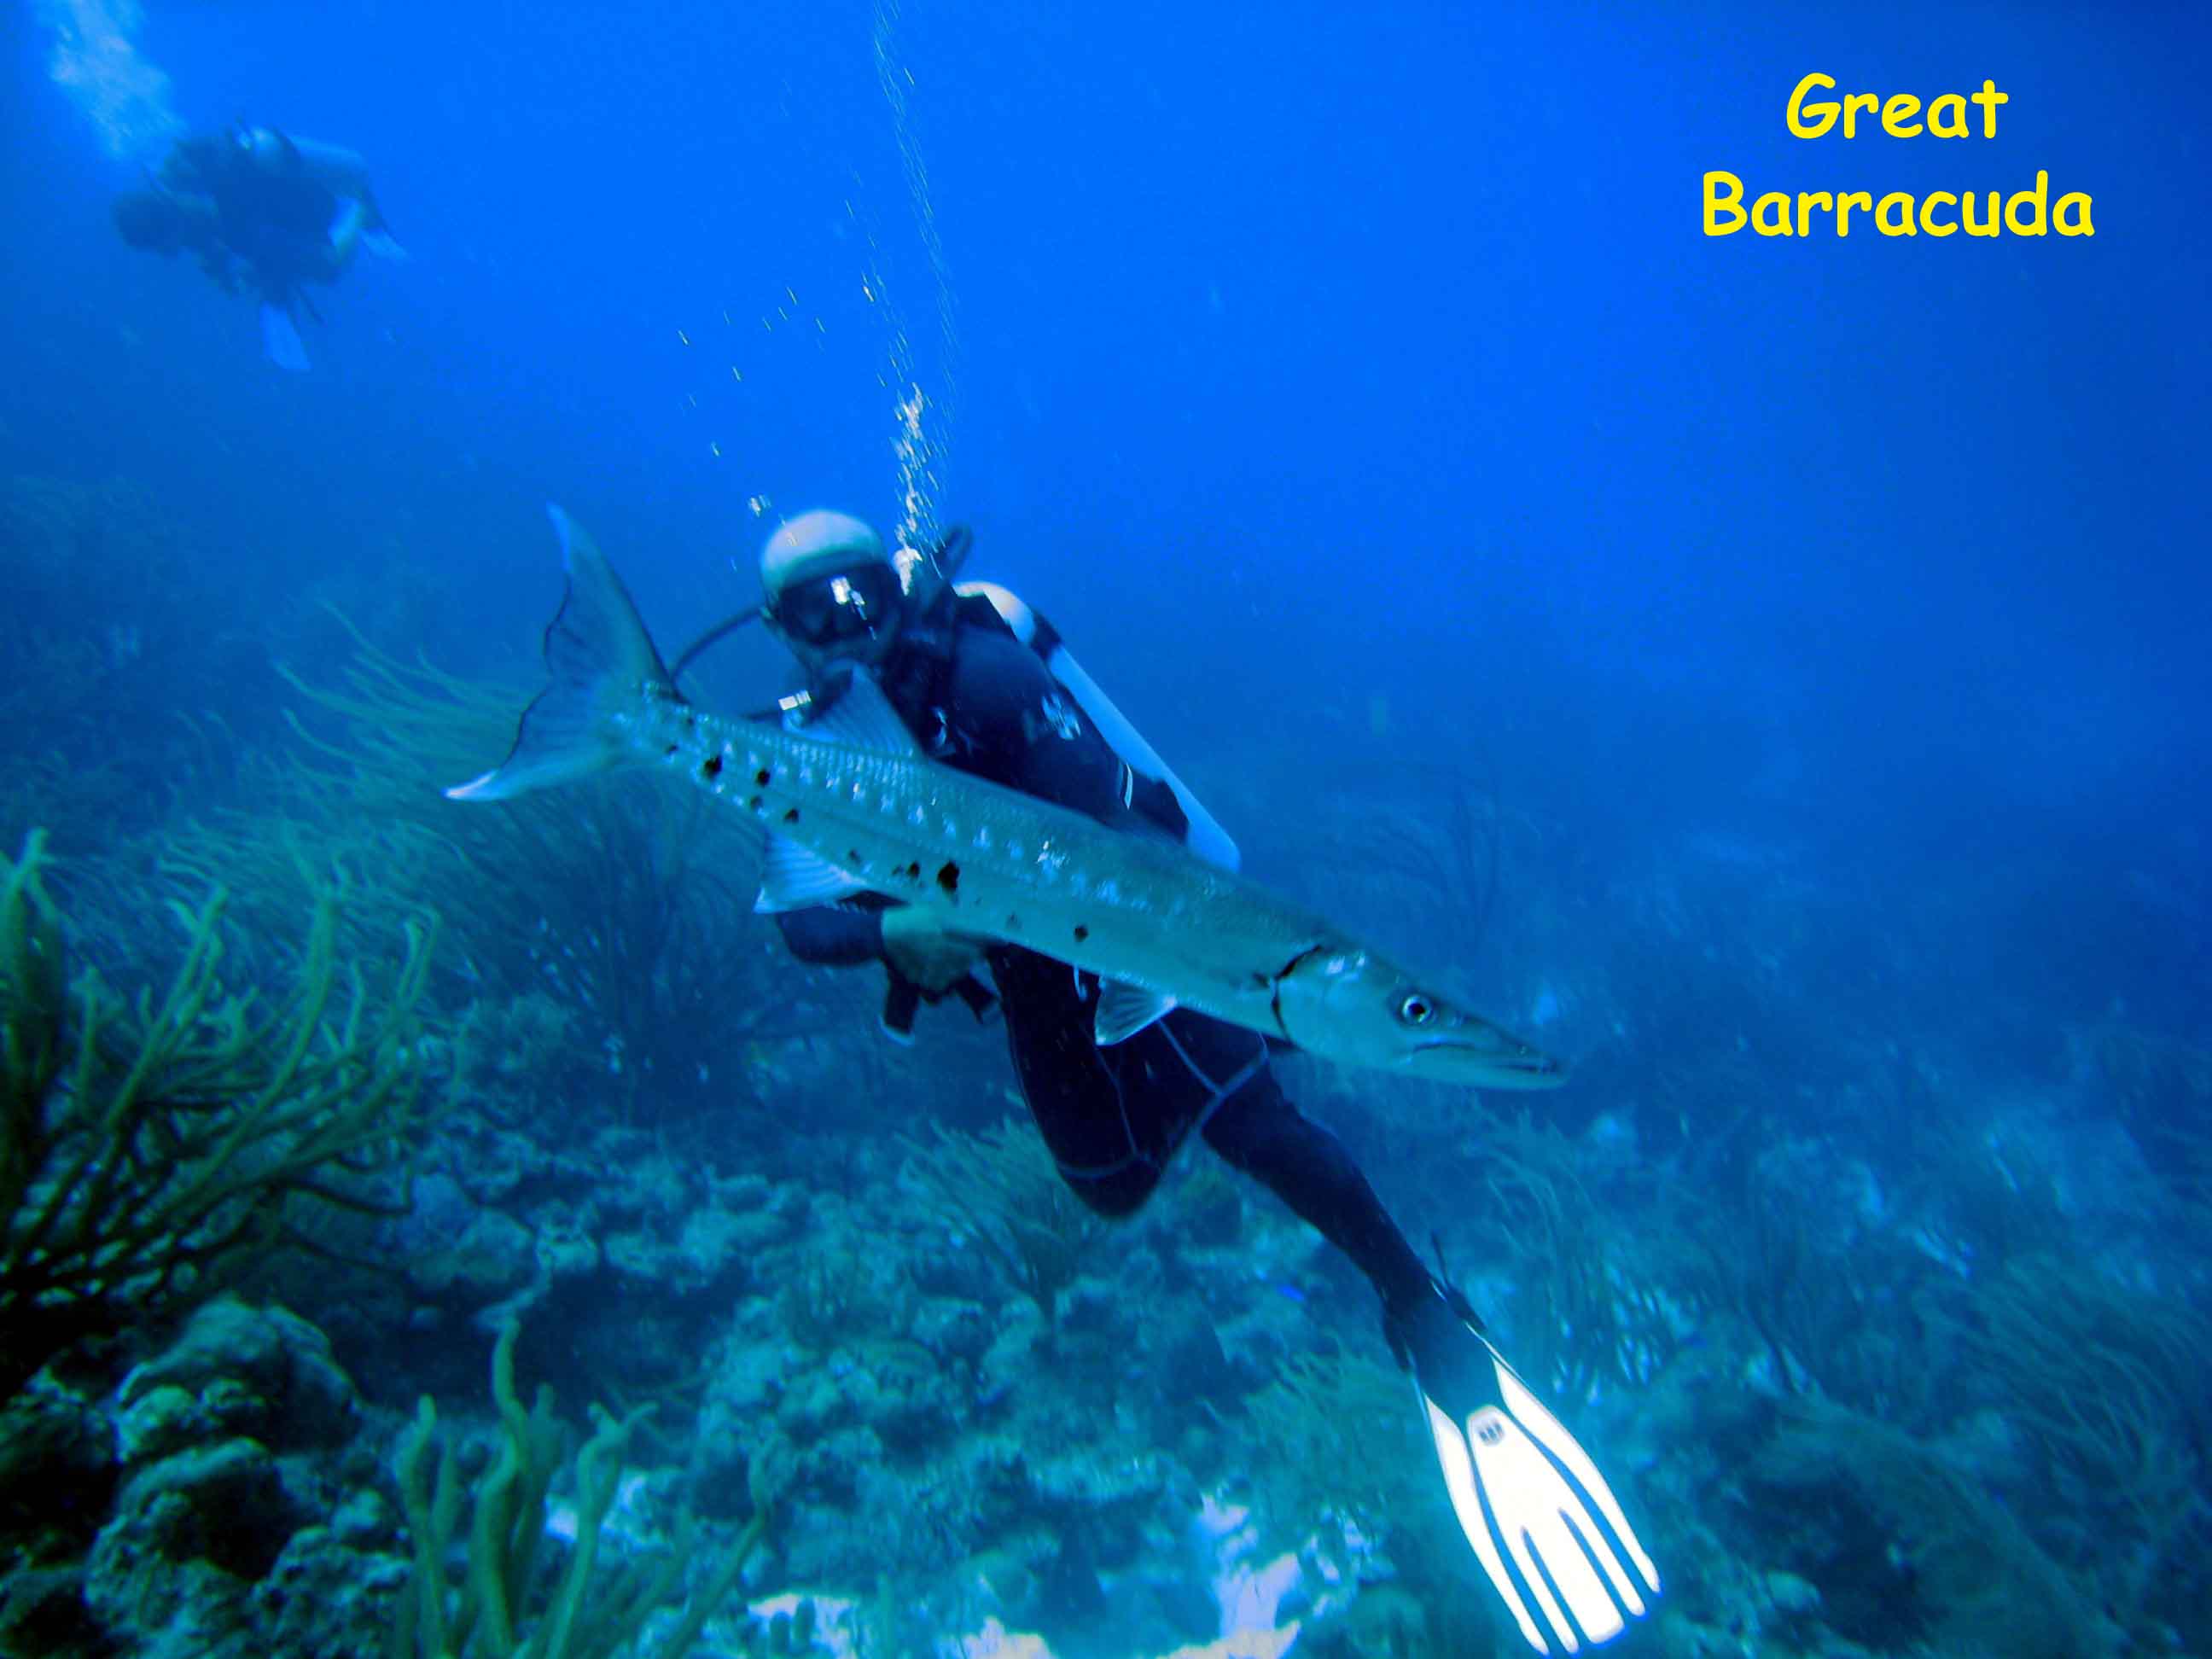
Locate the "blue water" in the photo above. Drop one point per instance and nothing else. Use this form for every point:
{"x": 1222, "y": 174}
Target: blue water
{"x": 1354, "y": 388}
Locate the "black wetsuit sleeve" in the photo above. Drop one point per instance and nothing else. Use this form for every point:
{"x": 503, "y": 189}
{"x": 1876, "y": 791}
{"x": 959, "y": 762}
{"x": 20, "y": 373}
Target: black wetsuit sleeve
{"x": 1015, "y": 726}
{"x": 833, "y": 935}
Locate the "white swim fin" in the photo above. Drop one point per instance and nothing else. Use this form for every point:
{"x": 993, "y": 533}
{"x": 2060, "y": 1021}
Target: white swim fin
{"x": 1541, "y": 1520}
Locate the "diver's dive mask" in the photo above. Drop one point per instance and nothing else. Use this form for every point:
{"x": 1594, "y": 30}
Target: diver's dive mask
{"x": 870, "y": 599}
{"x": 834, "y": 609}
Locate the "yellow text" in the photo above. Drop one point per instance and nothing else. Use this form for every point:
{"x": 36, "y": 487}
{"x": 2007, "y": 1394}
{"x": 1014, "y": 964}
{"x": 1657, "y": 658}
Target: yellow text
{"x": 1947, "y": 115}
{"x": 1939, "y": 213}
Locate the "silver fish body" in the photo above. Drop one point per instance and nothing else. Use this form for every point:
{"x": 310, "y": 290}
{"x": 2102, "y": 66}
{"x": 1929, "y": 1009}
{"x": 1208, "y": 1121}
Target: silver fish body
{"x": 1137, "y": 909}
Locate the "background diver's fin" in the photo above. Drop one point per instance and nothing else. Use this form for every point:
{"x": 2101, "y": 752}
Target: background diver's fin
{"x": 280, "y": 338}
{"x": 600, "y": 662}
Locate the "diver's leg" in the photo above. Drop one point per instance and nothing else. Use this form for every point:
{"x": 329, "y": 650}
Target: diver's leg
{"x": 1073, "y": 1092}
{"x": 1260, "y": 1133}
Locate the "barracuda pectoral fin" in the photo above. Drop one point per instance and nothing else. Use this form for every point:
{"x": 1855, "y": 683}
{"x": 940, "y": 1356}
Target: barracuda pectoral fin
{"x": 792, "y": 878}
{"x": 856, "y": 716}
{"x": 600, "y": 664}
{"x": 1124, "y": 1010}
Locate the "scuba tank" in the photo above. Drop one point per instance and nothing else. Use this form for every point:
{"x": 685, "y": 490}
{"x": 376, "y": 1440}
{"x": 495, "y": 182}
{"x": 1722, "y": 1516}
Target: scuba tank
{"x": 1205, "y": 835}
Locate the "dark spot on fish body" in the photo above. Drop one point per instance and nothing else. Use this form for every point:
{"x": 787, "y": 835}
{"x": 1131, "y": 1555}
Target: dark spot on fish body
{"x": 791, "y": 815}
{"x": 763, "y": 778}
{"x": 911, "y": 871}
{"x": 948, "y": 876}
{"x": 669, "y": 753}
{"x": 711, "y": 768}
{"x": 1081, "y": 933}
{"x": 757, "y": 803}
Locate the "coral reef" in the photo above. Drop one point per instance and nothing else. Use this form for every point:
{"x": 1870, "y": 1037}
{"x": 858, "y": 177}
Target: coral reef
{"x": 222, "y": 1511}
{"x": 1884, "y": 1296}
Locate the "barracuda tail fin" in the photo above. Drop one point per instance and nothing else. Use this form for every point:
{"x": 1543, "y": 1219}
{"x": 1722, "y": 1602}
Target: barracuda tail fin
{"x": 602, "y": 664}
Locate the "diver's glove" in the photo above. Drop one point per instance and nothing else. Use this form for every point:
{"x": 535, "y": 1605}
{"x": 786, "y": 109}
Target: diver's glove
{"x": 917, "y": 945}
{"x": 926, "y": 965}
{"x": 902, "y": 1000}
{"x": 1541, "y": 1519}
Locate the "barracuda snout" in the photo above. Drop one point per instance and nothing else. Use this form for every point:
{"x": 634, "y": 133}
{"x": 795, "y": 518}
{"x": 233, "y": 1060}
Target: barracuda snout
{"x": 1354, "y": 1005}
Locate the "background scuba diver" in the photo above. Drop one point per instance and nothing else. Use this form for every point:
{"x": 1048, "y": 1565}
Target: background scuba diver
{"x": 264, "y": 211}
{"x": 985, "y": 687}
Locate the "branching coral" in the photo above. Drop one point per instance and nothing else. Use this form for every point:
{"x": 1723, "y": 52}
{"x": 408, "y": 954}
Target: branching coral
{"x": 106, "y": 631}
{"x": 1337, "y": 1443}
{"x": 1419, "y": 833}
{"x": 493, "y": 1613}
{"x": 151, "y": 1148}
{"x": 999, "y": 1189}
{"x": 1782, "y": 1248}
{"x": 628, "y": 903}
{"x": 1980, "y": 1193}
{"x": 2106, "y": 1382}
{"x": 2164, "y": 1090}
{"x": 1588, "y": 1309}
{"x": 1974, "y": 1584}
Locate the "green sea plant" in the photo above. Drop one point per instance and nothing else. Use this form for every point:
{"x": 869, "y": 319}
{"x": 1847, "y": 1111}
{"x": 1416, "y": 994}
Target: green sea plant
{"x": 497, "y": 1610}
{"x": 153, "y": 1147}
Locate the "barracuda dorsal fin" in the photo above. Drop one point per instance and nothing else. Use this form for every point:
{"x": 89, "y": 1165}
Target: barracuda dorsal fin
{"x": 792, "y": 878}
{"x": 862, "y": 717}
{"x": 1125, "y": 1009}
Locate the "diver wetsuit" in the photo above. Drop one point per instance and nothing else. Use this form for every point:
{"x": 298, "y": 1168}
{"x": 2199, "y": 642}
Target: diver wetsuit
{"x": 981, "y": 700}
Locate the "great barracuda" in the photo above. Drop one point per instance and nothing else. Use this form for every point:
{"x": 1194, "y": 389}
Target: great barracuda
{"x": 1160, "y": 926}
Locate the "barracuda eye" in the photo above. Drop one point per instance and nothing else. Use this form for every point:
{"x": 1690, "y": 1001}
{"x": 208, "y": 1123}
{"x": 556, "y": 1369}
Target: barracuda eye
{"x": 1414, "y": 1009}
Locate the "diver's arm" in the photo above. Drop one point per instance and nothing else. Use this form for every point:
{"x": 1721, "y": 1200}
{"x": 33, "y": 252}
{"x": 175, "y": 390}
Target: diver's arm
{"x": 926, "y": 964}
{"x": 833, "y": 935}
{"x": 1033, "y": 736}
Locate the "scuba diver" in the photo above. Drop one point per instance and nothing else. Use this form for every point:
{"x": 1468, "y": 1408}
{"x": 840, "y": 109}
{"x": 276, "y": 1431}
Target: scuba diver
{"x": 986, "y": 686}
{"x": 264, "y": 211}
